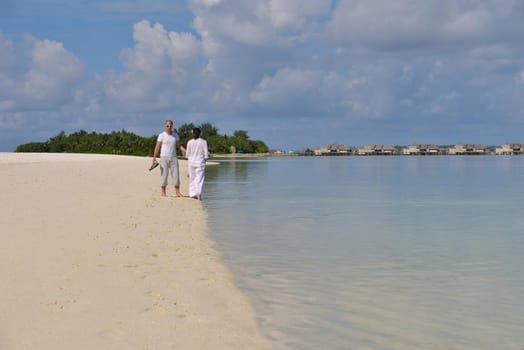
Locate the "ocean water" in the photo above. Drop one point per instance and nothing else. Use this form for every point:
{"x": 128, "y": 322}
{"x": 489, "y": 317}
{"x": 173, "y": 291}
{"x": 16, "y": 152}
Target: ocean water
{"x": 376, "y": 252}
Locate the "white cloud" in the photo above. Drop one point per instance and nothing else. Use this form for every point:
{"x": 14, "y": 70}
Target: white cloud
{"x": 322, "y": 94}
{"x": 52, "y": 73}
{"x": 40, "y": 76}
{"x": 285, "y": 86}
{"x": 234, "y": 21}
{"x": 469, "y": 24}
{"x": 259, "y": 22}
{"x": 158, "y": 52}
{"x": 160, "y": 69}
{"x": 412, "y": 24}
{"x": 296, "y": 14}
{"x": 384, "y": 23}
{"x": 206, "y": 3}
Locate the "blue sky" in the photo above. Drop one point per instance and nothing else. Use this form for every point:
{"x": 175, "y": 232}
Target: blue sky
{"x": 294, "y": 73}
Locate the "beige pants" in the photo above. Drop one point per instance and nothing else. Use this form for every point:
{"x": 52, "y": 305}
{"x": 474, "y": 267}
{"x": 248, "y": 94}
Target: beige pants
{"x": 169, "y": 164}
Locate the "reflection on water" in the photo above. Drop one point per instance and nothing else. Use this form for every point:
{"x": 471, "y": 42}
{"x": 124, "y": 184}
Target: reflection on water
{"x": 376, "y": 252}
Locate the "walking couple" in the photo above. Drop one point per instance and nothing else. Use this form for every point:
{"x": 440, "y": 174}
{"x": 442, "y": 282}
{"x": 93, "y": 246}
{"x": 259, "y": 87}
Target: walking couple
{"x": 196, "y": 153}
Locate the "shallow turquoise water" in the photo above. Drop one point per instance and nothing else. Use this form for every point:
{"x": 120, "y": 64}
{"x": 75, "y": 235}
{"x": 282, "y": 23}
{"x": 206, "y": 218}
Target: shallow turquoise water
{"x": 376, "y": 252}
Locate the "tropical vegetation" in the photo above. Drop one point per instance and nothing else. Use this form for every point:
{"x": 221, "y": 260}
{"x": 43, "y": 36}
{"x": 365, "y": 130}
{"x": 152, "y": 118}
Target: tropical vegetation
{"x": 127, "y": 143}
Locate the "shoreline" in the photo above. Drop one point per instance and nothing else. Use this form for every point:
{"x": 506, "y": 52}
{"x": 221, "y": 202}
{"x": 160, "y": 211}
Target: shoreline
{"x": 93, "y": 257}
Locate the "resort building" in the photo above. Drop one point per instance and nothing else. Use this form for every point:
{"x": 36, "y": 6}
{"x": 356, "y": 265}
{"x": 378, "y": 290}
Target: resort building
{"x": 469, "y": 149}
{"x": 422, "y": 149}
{"x": 333, "y": 150}
{"x": 376, "y": 150}
{"x": 510, "y": 149}
{"x": 414, "y": 149}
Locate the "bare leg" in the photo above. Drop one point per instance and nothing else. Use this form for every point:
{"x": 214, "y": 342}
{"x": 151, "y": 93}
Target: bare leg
{"x": 163, "y": 191}
{"x": 178, "y": 193}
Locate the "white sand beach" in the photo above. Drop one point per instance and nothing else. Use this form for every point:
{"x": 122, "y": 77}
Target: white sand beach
{"x": 92, "y": 257}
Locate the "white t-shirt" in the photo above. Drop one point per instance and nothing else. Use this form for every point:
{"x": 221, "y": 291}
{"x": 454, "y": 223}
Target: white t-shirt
{"x": 196, "y": 151}
{"x": 168, "y": 148}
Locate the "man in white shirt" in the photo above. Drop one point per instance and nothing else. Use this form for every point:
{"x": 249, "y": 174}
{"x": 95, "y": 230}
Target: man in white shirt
{"x": 196, "y": 154}
{"x": 168, "y": 142}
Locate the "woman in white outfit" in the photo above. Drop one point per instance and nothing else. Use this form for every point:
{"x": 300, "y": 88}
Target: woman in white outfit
{"x": 196, "y": 154}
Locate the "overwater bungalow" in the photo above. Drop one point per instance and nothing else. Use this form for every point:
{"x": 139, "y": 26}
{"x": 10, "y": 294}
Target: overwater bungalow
{"x": 422, "y": 149}
{"x": 510, "y": 149}
{"x": 469, "y": 149}
{"x": 333, "y": 150}
{"x": 376, "y": 150}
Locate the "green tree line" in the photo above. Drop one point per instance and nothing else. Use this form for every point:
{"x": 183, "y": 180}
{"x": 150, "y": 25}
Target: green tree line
{"x": 127, "y": 143}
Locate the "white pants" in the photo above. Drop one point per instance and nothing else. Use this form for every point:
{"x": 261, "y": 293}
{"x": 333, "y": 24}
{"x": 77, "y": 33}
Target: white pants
{"x": 167, "y": 165}
{"x": 196, "y": 178}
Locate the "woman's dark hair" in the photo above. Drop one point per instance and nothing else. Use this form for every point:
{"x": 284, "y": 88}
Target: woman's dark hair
{"x": 196, "y": 132}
